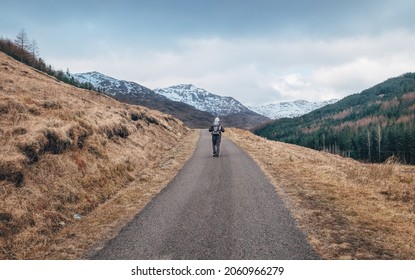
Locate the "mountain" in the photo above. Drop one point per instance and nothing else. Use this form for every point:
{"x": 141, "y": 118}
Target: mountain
{"x": 202, "y": 99}
{"x": 228, "y": 106}
{"x": 289, "y": 109}
{"x": 231, "y": 111}
{"x": 194, "y": 106}
{"x": 374, "y": 125}
{"x": 114, "y": 87}
{"x": 134, "y": 93}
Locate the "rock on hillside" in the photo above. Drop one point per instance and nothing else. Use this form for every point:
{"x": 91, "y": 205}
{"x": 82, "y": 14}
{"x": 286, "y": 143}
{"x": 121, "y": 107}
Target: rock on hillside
{"x": 68, "y": 151}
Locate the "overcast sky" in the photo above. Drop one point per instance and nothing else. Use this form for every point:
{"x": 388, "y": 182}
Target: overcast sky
{"x": 259, "y": 51}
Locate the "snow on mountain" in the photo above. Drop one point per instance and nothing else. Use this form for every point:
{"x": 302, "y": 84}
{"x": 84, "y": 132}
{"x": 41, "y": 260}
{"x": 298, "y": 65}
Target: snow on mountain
{"x": 202, "y": 99}
{"x": 289, "y": 109}
{"x": 196, "y": 97}
{"x": 112, "y": 86}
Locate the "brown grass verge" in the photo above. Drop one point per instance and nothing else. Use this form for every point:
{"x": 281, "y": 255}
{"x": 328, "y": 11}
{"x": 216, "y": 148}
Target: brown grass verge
{"x": 348, "y": 209}
{"x": 92, "y": 231}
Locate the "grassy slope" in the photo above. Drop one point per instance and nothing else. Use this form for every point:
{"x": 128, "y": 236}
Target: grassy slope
{"x": 66, "y": 151}
{"x": 348, "y": 209}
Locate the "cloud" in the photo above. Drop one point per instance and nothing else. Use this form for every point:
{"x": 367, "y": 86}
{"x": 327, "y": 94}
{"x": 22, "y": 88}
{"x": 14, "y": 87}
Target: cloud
{"x": 259, "y": 71}
{"x": 367, "y": 62}
{"x": 336, "y": 68}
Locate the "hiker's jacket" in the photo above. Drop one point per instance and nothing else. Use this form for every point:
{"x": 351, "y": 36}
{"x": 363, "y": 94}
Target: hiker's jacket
{"x": 216, "y": 129}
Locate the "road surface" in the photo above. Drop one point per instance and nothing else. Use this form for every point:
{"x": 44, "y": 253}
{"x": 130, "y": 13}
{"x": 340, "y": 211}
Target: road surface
{"x": 215, "y": 208}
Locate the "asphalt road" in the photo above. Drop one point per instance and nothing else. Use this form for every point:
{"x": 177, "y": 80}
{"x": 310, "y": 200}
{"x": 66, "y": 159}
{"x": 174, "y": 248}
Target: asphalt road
{"x": 215, "y": 208}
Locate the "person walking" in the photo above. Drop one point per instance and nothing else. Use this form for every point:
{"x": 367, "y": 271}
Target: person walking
{"x": 216, "y": 129}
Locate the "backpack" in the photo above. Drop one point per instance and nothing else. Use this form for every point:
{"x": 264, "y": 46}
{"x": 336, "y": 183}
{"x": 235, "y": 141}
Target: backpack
{"x": 216, "y": 129}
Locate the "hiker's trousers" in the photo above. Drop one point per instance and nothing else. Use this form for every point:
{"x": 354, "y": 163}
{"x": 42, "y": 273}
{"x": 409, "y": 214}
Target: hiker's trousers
{"x": 216, "y": 144}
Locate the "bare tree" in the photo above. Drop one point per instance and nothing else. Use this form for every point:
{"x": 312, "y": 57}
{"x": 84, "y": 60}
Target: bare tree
{"x": 369, "y": 145}
{"x": 22, "y": 40}
{"x": 379, "y": 139}
{"x": 34, "y": 49}
{"x": 23, "y": 45}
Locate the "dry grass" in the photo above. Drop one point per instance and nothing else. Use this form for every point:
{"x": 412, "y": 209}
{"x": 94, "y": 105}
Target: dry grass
{"x": 68, "y": 153}
{"x": 348, "y": 209}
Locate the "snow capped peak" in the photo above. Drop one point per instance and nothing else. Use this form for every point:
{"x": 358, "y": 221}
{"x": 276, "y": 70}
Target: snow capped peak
{"x": 186, "y": 87}
{"x": 289, "y": 109}
{"x": 90, "y": 77}
{"x": 95, "y": 78}
{"x": 202, "y": 99}
{"x": 110, "y": 85}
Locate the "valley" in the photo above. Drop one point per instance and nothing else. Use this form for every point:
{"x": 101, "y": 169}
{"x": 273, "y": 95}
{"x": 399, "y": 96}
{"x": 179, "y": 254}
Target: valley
{"x": 77, "y": 165}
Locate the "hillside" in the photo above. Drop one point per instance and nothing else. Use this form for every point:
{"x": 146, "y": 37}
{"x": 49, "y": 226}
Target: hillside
{"x": 27, "y": 53}
{"x": 372, "y": 126}
{"x": 75, "y": 165}
{"x": 348, "y": 209}
{"x": 190, "y": 116}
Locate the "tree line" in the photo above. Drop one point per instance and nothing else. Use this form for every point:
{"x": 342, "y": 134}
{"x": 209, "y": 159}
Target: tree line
{"x": 372, "y": 126}
{"x": 376, "y": 142}
{"x": 26, "y": 51}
